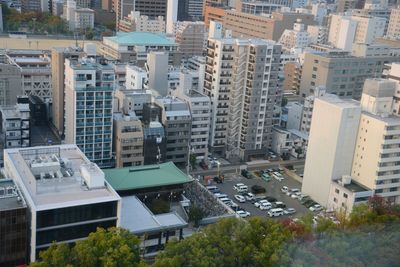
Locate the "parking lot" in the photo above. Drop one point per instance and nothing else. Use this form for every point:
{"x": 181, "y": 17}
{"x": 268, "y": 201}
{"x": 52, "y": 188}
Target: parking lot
{"x": 273, "y": 189}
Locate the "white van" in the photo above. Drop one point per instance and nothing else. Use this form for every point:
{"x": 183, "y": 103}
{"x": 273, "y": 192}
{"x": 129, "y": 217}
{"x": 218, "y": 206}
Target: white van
{"x": 243, "y": 189}
{"x": 275, "y": 212}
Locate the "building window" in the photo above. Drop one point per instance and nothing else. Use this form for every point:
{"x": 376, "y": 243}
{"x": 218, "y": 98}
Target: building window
{"x": 345, "y": 195}
{"x": 337, "y": 191}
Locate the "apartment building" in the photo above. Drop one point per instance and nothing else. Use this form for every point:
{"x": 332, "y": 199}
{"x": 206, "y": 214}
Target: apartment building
{"x": 191, "y": 38}
{"x": 58, "y": 56}
{"x": 339, "y": 72}
{"x": 133, "y": 47}
{"x": 214, "y": 13}
{"x": 292, "y": 77}
{"x": 89, "y": 86}
{"x": 140, "y": 23}
{"x": 136, "y": 78}
{"x": 128, "y": 100}
{"x": 78, "y": 18}
{"x": 393, "y": 74}
{"x": 13, "y": 225}
{"x": 318, "y": 34}
{"x": 295, "y": 38}
{"x": 393, "y": 29}
{"x": 154, "y": 143}
{"x": 67, "y": 195}
{"x": 128, "y": 140}
{"x": 345, "y": 5}
{"x": 241, "y": 78}
{"x": 10, "y": 84}
{"x": 15, "y": 125}
{"x": 243, "y": 24}
{"x": 177, "y": 121}
{"x": 308, "y": 108}
{"x": 328, "y": 156}
{"x": 150, "y": 8}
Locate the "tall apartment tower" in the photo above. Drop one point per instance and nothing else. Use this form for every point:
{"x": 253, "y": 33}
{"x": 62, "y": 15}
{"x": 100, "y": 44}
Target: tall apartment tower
{"x": 58, "y": 56}
{"x": 191, "y": 38}
{"x": 331, "y": 145}
{"x": 241, "y": 78}
{"x": 88, "y": 108}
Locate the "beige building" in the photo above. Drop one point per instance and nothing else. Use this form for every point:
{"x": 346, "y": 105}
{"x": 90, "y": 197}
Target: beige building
{"x": 140, "y": 23}
{"x": 265, "y": 27}
{"x": 292, "y": 74}
{"x": 10, "y": 84}
{"x": 128, "y": 140}
{"x": 213, "y": 13}
{"x": 191, "y": 38}
{"x": 393, "y": 30}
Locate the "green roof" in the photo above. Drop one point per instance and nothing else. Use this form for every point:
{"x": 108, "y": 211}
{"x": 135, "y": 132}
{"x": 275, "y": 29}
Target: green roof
{"x": 141, "y": 177}
{"x": 141, "y": 38}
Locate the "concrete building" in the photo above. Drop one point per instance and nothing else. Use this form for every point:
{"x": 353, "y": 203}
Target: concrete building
{"x": 345, "y": 5}
{"x": 89, "y": 86}
{"x": 136, "y": 78}
{"x": 191, "y": 38}
{"x": 393, "y": 74}
{"x": 214, "y": 13}
{"x": 157, "y": 65}
{"x": 331, "y": 145}
{"x": 259, "y": 7}
{"x": 67, "y": 195}
{"x": 133, "y": 47}
{"x": 264, "y": 27}
{"x": 35, "y": 5}
{"x": 177, "y": 122}
{"x": 140, "y": 23}
{"x": 393, "y": 30}
{"x": 339, "y": 72}
{"x": 78, "y": 18}
{"x": 154, "y": 143}
{"x": 318, "y": 34}
{"x": 10, "y": 84}
{"x": 58, "y": 56}
{"x": 295, "y": 38}
{"x": 13, "y": 225}
{"x": 292, "y": 77}
{"x": 195, "y": 9}
{"x": 281, "y": 143}
{"x": 128, "y": 101}
{"x": 242, "y": 81}
{"x": 374, "y": 11}
{"x": 15, "y": 126}
{"x": 294, "y": 115}
{"x": 308, "y": 108}
{"x": 128, "y": 140}
{"x": 35, "y": 69}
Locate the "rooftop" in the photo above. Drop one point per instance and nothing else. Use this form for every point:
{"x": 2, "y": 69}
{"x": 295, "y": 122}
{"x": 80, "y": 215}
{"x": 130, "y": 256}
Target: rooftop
{"x": 141, "y": 177}
{"x": 9, "y": 196}
{"x": 57, "y": 176}
{"x": 138, "y": 219}
{"x": 353, "y": 186}
{"x": 140, "y": 38}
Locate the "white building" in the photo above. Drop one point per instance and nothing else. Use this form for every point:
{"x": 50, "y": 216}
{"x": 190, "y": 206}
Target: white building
{"x": 331, "y": 145}
{"x": 141, "y": 23}
{"x": 320, "y": 11}
{"x": 393, "y": 30}
{"x": 308, "y": 108}
{"x": 368, "y": 28}
{"x": 67, "y": 195}
{"x": 296, "y": 38}
{"x": 128, "y": 101}
{"x": 89, "y": 87}
{"x": 78, "y": 18}
{"x": 294, "y": 115}
{"x": 136, "y": 78}
{"x": 318, "y": 34}
{"x": 393, "y": 74}
{"x": 172, "y": 15}
{"x": 15, "y": 125}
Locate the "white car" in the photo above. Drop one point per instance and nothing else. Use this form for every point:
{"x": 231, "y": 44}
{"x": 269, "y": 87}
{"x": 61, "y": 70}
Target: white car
{"x": 240, "y": 198}
{"x": 265, "y": 206}
{"x": 284, "y": 189}
{"x": 316, "y": 207}
{"x": 292, "y": 191}
{"x": 289, "y": 211}
{"x": 259, "y": 203}
{"x": 237, "y": 186}
{"x": 249, "y": 196}
{"x": 279, "y": 178}
{"x": 243, "y": 213}
{"x": 295, "y": 195}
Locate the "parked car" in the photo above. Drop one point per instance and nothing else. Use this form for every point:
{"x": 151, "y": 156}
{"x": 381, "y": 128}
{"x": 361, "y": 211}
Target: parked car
{"x": 266, "y": 177}
{"x": 284, "y": 189}
{"x": 236, "y": 186}
{"x": 270, "y": 199}
{"x": 289, "y": 211}
{"x": 240, "y": 198}
{"x": 275, "y": 212}
{"x": 259, "y": 203}
{"x": 246, "y": 174}
{"x": 316, "y": 207}
{"x": 280, "y": 204}
{"x": 278, "y": 176}
{"x": 292, "y": 191}
{"x": 249, "y": 196}
{"x": 295, "y": 195}
{"x": 243, "y": 213}
{"x": 310, "y": 203}
{"x": 219, "y": 195}
{"x": 257, "y": 189}
{"x": 265, "y": 206}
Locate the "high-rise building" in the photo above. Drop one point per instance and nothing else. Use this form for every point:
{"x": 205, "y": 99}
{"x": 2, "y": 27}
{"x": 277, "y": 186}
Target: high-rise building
{"x": 15, "y": 125}
{"x": 78, "y": 18}
{"x": 13, "y": 225}
{"x": 10, "y": 84}
{"x": 89, "y": 86}
{"x": 393, "y": 30}
{"x": 331, "y": 145}
{"x": 308, "y": 108}
{"x": 58, "y": 56}
{"x": 241, "y": 78}
{"x": 393, "y": 74}
{"x": 295, "y": 38}
{"x": 67, "y": 195}
{"x": 191, "y": 38}
{"x": 128, "y": 140}
{"x": 157, "y": 64}
{"x": 154, "y": 143}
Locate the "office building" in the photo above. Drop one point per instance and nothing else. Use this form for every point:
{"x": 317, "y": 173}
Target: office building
{"x": 133, "y": 47}
{"x": 191, "y": 38}
{"x": 393, "y": 74}
{"x": 150, "y": 8}
{"x": 292, "y": 77}
{"x": 295, "y": 38}
{"x": 89, "y": 86}
{"x": 154, "y": 143}
{"x": 136, "y": 77}
{"x": 241, "y": 78}
{"x": 177, "y": 10}
{"x": 67, "y": 195}
{"x": 195, "y": 9}
{"x": 393, "y": 30}
{"x": 308, "y": 108}
{"x": 374, "y": 11}
{"x": 345, "y": 5}
{"x": 264, "y": 27}
{"x": 214, "y": 13}
{"x": 58, "y": 56}
{"x": 35, "y": 5}
{"x": 13, "y": 225}
{"x": 339, "y": 72}
{"x": 318, "y": 34}
{"x": 128, "y": 140}
{"x": 10, "y": 84}
{"x": 15, "y": 126}
{"x": 140, "y": 23}
{"x": 78, "y": 18}
{"x": 261, "y": 6}
{"x": 157, "y": 64}
{"x": 331, "y": 145}
{"x": 128, "y": 101}
{"x": 177, "y": 122}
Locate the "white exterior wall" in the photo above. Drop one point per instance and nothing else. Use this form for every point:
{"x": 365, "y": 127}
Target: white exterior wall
{"x": 172, "y": 15}
{"x": 341, "y": 32}
{"x": 135, "y": 77}
{"x": 368, "y": 28}
{"x": 331, "y": 145}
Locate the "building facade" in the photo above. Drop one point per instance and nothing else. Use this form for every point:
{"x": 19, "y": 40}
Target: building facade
{"x": 15, "y": 125}
{"x": 191, "y": 38}
{"x": 10, "y": 84}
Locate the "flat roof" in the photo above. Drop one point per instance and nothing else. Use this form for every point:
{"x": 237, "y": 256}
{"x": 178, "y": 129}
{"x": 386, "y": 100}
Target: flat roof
{"x": 138, "y": 219}
{"x": 140, "y": 177}
{"x": 50, "y": 177}
{"x": 354, "y": 186}
{"x": 141, "y": 38}
{"x": 10, "y": 201}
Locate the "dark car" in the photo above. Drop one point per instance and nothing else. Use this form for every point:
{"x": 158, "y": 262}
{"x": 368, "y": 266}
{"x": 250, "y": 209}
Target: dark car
{"x": 246, "y": 174}
{"x": 271, "y": 199}
{"x": 257, "y": 189}
{"x": 203, "y": 165}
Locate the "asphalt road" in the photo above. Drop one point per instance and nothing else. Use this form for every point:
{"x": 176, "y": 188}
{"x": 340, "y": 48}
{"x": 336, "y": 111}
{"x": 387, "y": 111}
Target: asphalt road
{"x": 273, "y": 188}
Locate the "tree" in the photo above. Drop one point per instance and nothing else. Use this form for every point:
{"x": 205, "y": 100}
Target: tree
{"x": 89, "y": 34}
{"x": 103, "y": 248}
{"x": 193, "y": 161}
{"x": 195, "y": 215}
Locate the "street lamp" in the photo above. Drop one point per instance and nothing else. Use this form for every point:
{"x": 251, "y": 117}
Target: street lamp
{"x": 218, "y": 163}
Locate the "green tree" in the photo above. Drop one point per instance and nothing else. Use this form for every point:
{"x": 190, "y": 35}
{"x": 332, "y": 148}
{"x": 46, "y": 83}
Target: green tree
{"x": 195, "y": 215}
{"x": 55, "y": 256}
{"x": 89, "y": 34}
{"x": 193, "y": 161}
